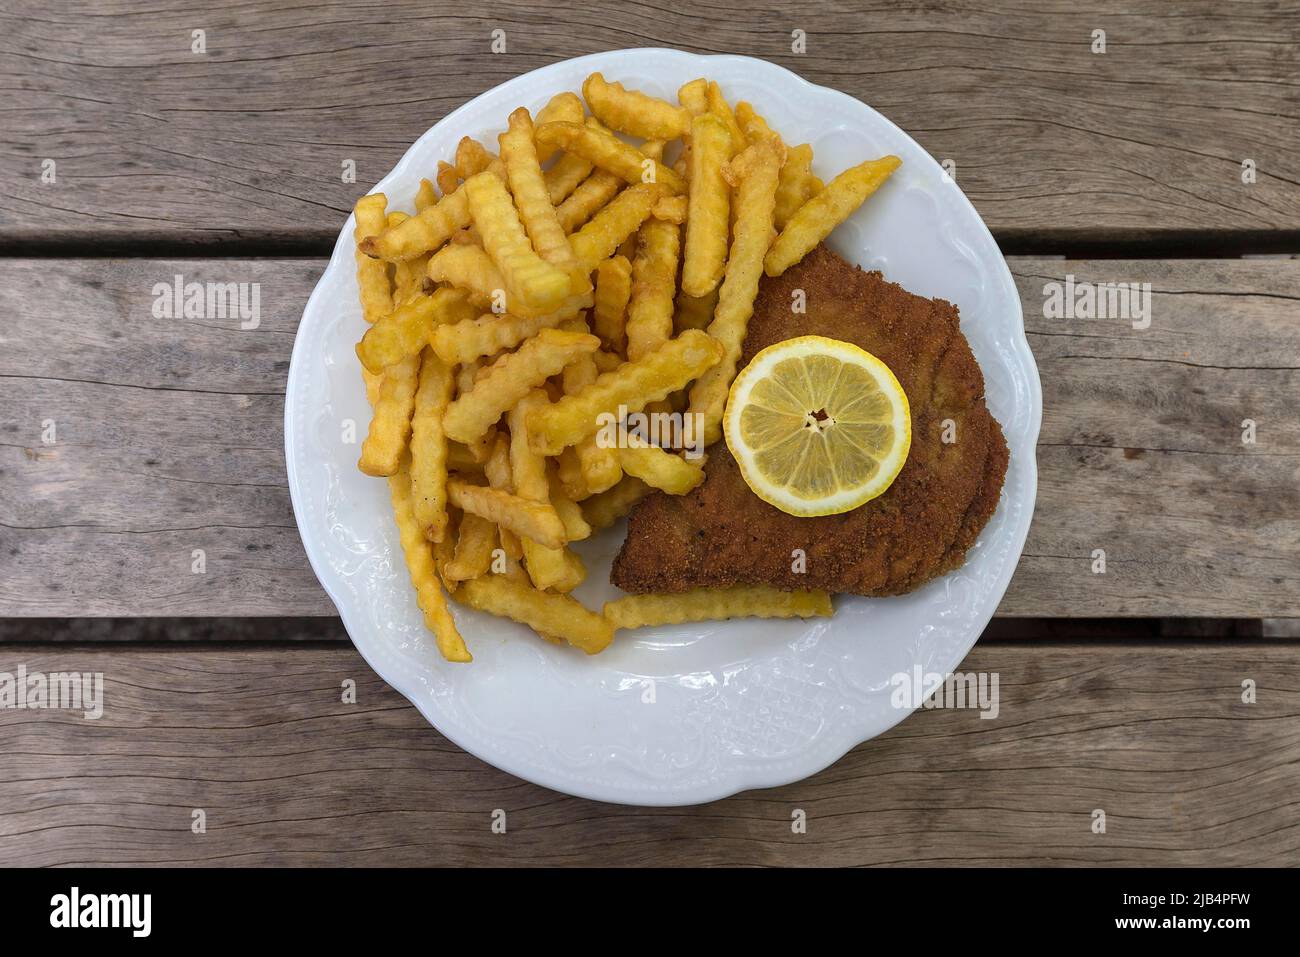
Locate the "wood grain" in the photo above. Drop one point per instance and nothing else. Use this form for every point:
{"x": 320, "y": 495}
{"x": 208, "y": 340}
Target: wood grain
{"x": 169, "y": 439}
{"x": 245, "y": 142}
{"x": 1155, "y": 736}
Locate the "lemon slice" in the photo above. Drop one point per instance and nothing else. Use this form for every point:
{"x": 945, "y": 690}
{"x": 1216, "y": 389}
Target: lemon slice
{"x": 818, "y": 426}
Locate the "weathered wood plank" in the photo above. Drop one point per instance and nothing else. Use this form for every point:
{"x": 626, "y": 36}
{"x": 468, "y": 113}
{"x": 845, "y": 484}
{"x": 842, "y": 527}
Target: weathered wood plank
{"x": 246, "y": 141}
{"x": 1186, "y": 773}
{"x": 168, "y": 439}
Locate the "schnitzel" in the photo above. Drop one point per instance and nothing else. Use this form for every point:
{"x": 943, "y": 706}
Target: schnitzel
{"x": 921, "y": 527}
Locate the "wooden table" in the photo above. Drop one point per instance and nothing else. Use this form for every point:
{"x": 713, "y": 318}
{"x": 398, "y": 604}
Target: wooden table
{"x": 1121, "y": 691}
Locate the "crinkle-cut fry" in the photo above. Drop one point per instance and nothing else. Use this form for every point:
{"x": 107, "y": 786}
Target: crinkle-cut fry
{"x": 448, "y": 180}
{"x": 719, "y": 107}
{"x": 710, "y": 203}
{"x": 694, "y": 96}
{"x": 429, "y": 445}
{"x": 524, "y": 173}
{"x": 618, "y": 220}
{"x": 499, "y": 476}
{"x": 587, "y": 199}
{"x": 423, "y": 232}
{"x": 390, "y": 425}
{"x": 533, "y": 520}
{"x": 376, "y": 290}
{"x": 755, "y": 198}
{"x": 420, "y": 563}
{"x": 603, "y": 510}
{"x": 545, "y": 613}
{"x": 815, "y": 219}
{"x": 426, "y": 195}
{"x": 609, "y": 309}
{"x": 654, "y": 281}
{"x": 716, "y": 604}
{"x": 598, "y": 464}
{"x": 570, "y": 512}
{"x": 657, "y": 468}
{"x": 408, "y": 279}
{"x": 405, "y": 330}
{"x": 530, "y": 280}
{"x": 634, "y": 112}
{"x": 488, "y": 334}
{"x": 671, "y": 209}
{"x": 568, "y": 472}
{"x": 565, "y": 175}
{"x": 796, "y": 185}
{"x": 653, "y": 149}
{"x": 564, "y": 107}
{"x": 469, "y": 267}
{"x": 512, "y": 377}
{"x": 694, "y": 312}
{"x": 373, "y": 384}
{"x": 607, "y": 151}
{"x": 475, "y": 540}
{"x": 753, "y": 125}
{"x": 631, "y": 386}
{"x": 472, "y": 157}
{"x": 546, "y": 566}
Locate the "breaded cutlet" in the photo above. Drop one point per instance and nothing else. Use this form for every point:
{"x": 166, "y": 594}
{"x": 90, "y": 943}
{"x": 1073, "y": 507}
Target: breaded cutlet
{"x": 921, "y": 527}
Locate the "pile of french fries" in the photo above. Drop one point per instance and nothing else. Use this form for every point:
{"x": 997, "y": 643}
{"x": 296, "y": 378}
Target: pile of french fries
{"x": 569, "y": 277}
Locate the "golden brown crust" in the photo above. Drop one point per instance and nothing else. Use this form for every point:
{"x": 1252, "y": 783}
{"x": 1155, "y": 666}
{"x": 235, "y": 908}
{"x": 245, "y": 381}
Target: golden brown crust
{"x": 723, "y": 534}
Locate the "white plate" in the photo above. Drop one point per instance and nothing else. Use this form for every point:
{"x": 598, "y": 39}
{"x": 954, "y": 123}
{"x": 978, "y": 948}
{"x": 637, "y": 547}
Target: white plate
{"x": 683, "y": 714}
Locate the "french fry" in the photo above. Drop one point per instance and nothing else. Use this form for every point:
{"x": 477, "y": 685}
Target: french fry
{"x": 390, "y": 425}
{"x": 716, "y": 604}
{"x": 568, "y": 471}
{"x": 547, "y": 567}
{"x": 376, "y": 291}
{"x": 620, "y": 219}
{"x": 469, "y": 267}
{"x": 422, "y": 233}
{"x": 419, "y": 562}
{"x": 657, "y": 468}
{"x": 460, "y": 459}
{"x": 524, "y": 174}
{"x": 599, "y": 466}
{"x": 670, "y": 209}
{"x": 405, "y": 331}
{"x": 630, "y": 111}
{"x": 710, "y": 203}
{"x": 448, "y": 180}
{"x": 590, "y": 195}
{"x": 545, "y": 613}
{"x": 631, "y": 386}
{"x": 373, "y": 384}
{"x": 570, "y": 512}
{"x": 654, "y": 280}
{"x": 425, "y": 195}
{"x": 529, "y": 279}
{"x": 488, "y": 334}
{"x": 694, "y": 96}
{"x": 815, "y": 219}
{"x": 512, "y": 377}
{"x": 565, "y": 107}
{"x": 475, "y": 540}
{"x": 603, "y": 510}
{"x": 609, "y": 312}
{"x": 565, "y": 176}
{"x": 719, "y": 107}
{"x": 534, "y": 520}
{"x": 757, "y": 168}
{"x": 499, "y": 476}
{"x": 796, "y": 185}
{"x": 694, "y": 312}
{"x": 472, "y": 157}
{"x": 607, "y": 151}
{"x": 754, "y": 126}
{"x": 429, "y": 446}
